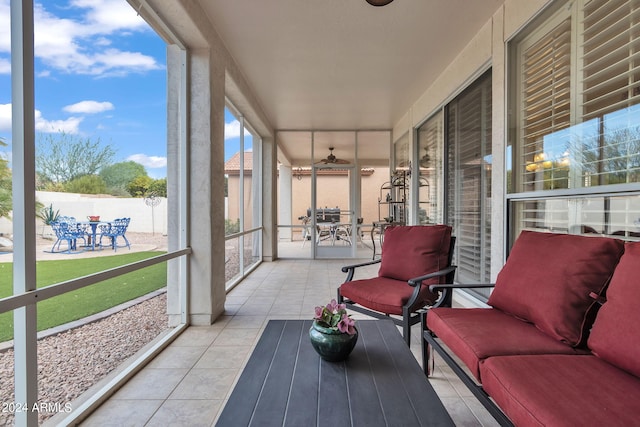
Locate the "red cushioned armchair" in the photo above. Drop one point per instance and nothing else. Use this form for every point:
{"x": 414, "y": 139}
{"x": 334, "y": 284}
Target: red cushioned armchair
{"x": 413, "y": 257}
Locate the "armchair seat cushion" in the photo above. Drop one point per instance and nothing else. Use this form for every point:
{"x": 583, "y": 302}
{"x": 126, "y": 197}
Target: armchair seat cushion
{"x": 382, "y": 294}
{"x": 562, "y": 390}
{"x": 501, "y": 334}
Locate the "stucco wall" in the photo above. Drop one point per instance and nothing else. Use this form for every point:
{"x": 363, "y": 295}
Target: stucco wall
{"x": 144, "y": 219}
{"x": 232, "y": 212}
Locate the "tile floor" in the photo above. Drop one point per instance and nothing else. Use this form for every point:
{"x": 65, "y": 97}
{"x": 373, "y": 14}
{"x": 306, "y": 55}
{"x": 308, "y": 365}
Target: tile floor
{"x": 189, "y": 382}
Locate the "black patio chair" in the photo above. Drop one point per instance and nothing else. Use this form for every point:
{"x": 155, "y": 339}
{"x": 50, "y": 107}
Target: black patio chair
{"x": 413, "y": 257}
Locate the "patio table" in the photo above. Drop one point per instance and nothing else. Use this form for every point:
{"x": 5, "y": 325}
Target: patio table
{"x": 91, "y": 244}
{"x": 285, "y": 383}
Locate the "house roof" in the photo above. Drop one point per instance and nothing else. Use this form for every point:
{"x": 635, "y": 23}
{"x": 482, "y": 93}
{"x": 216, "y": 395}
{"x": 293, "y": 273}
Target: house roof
{"x": 232, "y": 165}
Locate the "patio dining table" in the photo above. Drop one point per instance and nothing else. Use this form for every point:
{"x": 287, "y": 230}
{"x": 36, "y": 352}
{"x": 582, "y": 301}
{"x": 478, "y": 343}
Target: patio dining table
{"x": 91, "y": 243}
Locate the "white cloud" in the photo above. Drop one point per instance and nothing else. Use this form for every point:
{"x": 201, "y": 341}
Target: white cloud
{"x": 151, "y": 162}
{"x": 5, "y": 26}
{"x": 82, "y": 45}
{"x": 69, "y": 125}
{"x": 232, "y": 130}
{"x": 5, "y": 117}
{"x": 110, "y": 15}
{"x": 88, "y": 107}
{"x": 5, "y": 66}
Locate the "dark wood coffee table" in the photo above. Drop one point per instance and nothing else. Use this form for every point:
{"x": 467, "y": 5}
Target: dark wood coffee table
{"x": 285, "y": 383}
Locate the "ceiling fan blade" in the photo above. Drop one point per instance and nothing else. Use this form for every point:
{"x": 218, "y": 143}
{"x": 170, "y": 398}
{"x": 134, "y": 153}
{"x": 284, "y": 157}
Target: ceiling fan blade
{"x": 331, "y": 159}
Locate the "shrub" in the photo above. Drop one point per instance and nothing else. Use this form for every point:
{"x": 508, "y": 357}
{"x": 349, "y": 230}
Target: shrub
{"x": 231, "y": 227}
{"x": 47, "y": 215}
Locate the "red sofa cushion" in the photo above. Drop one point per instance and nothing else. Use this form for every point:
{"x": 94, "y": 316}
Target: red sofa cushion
{"x": 548, "y": 278}
{"x": 382, "y": 294}
{"x": 474, "y": 334}
{"x": 615, "y": 336}
{"x": 562, "y": 390}
{"x": 412, "y": 251}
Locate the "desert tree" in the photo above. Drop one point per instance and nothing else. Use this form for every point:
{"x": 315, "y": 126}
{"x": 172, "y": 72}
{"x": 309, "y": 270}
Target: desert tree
{"x": 63, "y": 157}
{"x": 118, "y": 175}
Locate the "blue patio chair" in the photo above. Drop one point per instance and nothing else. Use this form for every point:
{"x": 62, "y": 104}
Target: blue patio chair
{"x": 113, "y": 230}
{"x": 68, "y": 232}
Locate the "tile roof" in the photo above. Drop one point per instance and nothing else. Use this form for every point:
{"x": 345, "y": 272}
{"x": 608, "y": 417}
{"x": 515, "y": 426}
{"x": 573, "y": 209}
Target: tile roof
{"x": 233, "y": 164}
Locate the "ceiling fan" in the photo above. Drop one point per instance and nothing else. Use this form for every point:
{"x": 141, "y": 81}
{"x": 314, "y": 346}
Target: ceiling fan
{"x": 333, "y": 160}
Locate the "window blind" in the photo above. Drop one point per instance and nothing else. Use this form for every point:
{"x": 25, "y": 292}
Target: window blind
{"x": 546, "y": 107}
{"x": 469, "y": 188}
{"x": 578, "y": 115}
{"x": 610, "y": 67}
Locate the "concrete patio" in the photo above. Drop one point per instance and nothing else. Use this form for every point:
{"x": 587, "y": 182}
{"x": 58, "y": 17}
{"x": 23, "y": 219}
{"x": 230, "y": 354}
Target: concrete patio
{"x": 140, "y": 242}
{"x": 190, "y": 381}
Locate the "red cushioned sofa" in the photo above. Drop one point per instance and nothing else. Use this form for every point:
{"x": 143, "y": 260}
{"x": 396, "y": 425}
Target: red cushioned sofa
{"x": 560, "y": 343}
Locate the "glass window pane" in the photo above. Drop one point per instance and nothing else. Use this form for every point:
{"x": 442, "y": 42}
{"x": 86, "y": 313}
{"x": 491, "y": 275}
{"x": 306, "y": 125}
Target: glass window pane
{"x": 468, "y": 122}
{"x": 616, "y": 216}
{"x": 430, "y": 143}
{"x": 577, "y": 98}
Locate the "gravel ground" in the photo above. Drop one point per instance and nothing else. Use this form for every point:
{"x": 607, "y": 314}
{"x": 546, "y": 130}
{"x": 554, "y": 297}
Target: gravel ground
{"x": 71, "y": 362}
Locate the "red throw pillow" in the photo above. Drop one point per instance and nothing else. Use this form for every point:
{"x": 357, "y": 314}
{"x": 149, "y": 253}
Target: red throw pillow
{"x": 412, "y": 251}
{"x": 615, "y": 336}
{"x": 548, "y": 278}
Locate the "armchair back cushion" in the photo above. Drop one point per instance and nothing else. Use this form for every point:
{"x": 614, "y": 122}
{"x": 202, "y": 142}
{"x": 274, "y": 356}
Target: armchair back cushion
{"x": 548, "y": 277}
{"x": 615, "y": 336}
{"x": 413, "y": 251}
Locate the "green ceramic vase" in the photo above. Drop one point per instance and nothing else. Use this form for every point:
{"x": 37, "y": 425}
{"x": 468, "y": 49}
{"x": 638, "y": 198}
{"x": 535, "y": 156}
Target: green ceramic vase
{"x": 331, "y": 345}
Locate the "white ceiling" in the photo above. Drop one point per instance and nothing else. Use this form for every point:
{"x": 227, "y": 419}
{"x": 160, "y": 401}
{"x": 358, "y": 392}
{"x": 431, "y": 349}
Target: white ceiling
{"x": 343, "y": 64}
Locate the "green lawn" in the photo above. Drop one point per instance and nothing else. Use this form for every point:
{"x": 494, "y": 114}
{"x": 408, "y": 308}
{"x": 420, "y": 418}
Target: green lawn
{"x": 86, "y": 301}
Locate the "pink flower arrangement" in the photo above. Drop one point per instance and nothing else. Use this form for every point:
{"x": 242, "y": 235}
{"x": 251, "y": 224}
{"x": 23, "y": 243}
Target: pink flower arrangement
{"x": 335, "y": 316}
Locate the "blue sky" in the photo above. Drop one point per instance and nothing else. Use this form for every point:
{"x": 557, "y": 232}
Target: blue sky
{"x": 100, "y": 73}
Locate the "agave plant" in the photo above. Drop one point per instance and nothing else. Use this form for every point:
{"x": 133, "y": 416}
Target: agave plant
{"x": 48, "y": 215}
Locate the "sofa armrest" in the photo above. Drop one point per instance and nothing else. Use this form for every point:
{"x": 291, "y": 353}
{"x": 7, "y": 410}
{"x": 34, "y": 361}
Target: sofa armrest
{"x": 446, "y": 291}
{"x": 351, "y": 269}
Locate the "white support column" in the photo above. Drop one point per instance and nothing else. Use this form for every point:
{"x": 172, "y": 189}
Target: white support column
{"x": 177, "y": 183}
{"x": 206, "y": 189}
{"x": 285, "y": 209}
{"x": 24, "y": 250}
{"x": 196, "y": 102}
{"x": 270, "y": 199}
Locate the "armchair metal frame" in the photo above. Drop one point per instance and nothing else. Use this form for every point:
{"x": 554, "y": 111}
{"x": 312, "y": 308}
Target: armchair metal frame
{"x": 411, "y": 310}
{"x": 69, "y": 232}
{"x": 117, "y": 228}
